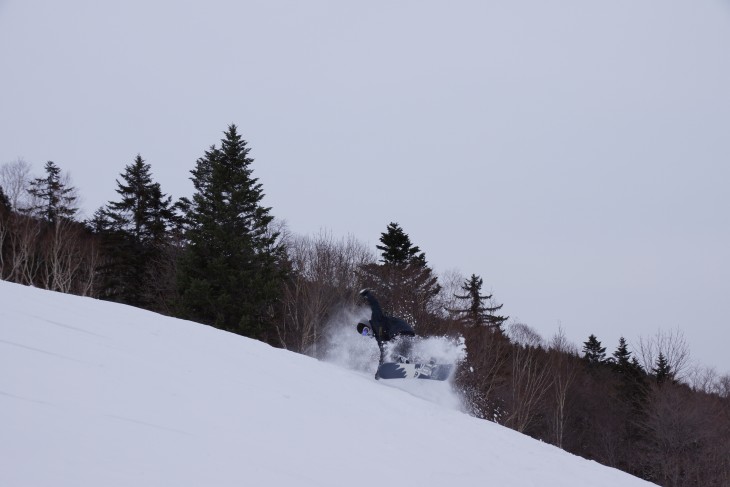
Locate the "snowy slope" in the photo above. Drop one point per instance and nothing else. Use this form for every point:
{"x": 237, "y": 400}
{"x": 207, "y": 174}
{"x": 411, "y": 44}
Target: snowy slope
{"x": 98, "y": 394}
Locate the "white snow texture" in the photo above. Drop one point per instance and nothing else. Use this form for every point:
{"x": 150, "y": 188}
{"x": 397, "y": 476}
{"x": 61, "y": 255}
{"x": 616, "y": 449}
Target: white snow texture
{"x": 99, "y": 394}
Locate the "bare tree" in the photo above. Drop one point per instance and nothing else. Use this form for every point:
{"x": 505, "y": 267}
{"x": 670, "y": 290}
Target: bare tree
{"x": 531, "y": 376}
{"x": 451, "y": 282}
{"x": 703, "y": 379}
{"x": 323, "y": 275}
{"x": 723, "y": 386}
{"x": 59, "y": 256}
{"x": 62, "y": 256}
{"x": 672, "y": 346}
{"x": 689, "y": 438}
{"x": 4, "y": 246}
{"x": 562, "y": 357}
{"x": 23, "y": 262}
{"x": 483, "y": 378}
{"x": 85, "y": 282}
{"x": 708, "y": 381}
{"x": 15, "y": 180}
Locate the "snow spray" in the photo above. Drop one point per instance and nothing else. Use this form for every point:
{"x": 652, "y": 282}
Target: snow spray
{"x": 346, "y": 348}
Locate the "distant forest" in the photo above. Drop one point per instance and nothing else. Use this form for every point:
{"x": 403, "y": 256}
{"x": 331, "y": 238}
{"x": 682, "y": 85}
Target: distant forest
{"x": 222, "y": 259}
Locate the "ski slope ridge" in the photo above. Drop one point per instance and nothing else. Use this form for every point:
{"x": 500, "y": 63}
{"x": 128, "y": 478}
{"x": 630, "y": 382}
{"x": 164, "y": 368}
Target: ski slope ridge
{"x": 99, "y": 394}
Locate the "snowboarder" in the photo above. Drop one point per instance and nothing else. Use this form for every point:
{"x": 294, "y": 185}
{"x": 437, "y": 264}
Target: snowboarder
{"x": 389, "y": 329}
{"x": 385, "y": 328}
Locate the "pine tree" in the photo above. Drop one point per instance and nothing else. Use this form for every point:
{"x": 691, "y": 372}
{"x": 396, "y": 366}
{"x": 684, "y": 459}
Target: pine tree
{"x": 229, "y": 275}
{"x": 633, "y": 384}
{"x": 636, "y": 365}
{"x": 477, "y": 313}
{"x": 55, "y": 199}
{"x": 143, "y": 211}
{"x": 405, "y": 283}
{"x": 136, "y": 229}
{"x": 631, "y": 393}
{"x": 662, "y": 370}
{"x": 593, "y": 352}
{"x": 622, "y": 356}
{"x": 397, "y": 249}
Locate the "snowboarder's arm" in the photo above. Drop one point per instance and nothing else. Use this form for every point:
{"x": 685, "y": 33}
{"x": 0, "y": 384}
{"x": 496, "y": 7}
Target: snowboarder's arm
{"x": 377, "y": 316}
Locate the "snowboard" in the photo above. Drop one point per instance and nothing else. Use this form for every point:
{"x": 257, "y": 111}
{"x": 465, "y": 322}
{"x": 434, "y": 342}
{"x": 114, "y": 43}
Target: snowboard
{"x": 396, "y": 370}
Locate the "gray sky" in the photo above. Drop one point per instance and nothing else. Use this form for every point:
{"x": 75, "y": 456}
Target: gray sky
{"x": 575, "y": 154}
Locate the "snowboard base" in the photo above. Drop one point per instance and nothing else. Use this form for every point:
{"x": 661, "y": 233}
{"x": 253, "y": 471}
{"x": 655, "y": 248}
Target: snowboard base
{"x": 392, "y": 370}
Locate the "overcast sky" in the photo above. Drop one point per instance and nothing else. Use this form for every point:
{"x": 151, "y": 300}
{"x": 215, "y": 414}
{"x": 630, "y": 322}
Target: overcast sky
{"x": 575, "y": 154}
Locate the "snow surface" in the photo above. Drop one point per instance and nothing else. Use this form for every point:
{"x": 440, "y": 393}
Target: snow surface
{"x": 98, "y": 394}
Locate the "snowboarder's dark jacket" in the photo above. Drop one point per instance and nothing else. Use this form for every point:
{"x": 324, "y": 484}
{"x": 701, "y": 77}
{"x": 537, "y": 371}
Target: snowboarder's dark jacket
{"x": 384, "y": 328}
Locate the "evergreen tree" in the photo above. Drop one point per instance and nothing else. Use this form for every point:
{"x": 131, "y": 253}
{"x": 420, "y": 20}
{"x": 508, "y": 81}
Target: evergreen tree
{"x": 5, "y": 206}
{"x": 632, "y": 386}
{"x": 662, "y": 371}
{"x": 136, "y": 229}
{"x": 397, "y": 249}
{"x": 636, "y": 365}
{"x": 622, "y": 356}
{"x": 477, "y": 313}
{"x": 593, "y": 352}
{"x": 405, "y": 283}
{"x": 624, "y": 362}
{"x": 229, "y": 275}
{"x": 55, "y": 199}
{"x": 143, "y": 211}
{"x": 631, "y": 394}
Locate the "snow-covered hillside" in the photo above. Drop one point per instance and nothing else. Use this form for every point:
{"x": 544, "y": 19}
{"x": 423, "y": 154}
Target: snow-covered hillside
{"x": 97, "y": 394}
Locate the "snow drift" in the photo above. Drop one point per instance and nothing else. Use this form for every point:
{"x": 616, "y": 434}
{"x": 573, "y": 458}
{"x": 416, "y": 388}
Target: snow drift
{"x": 98, "y": 394}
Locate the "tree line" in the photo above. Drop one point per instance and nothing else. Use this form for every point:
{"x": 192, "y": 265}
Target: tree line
{"x": 222, "y": 259}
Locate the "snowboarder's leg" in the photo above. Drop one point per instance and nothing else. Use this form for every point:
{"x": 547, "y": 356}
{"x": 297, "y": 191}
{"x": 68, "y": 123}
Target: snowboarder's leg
{"x": 382, "y": 357}
{"x": 403, "y": 348}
